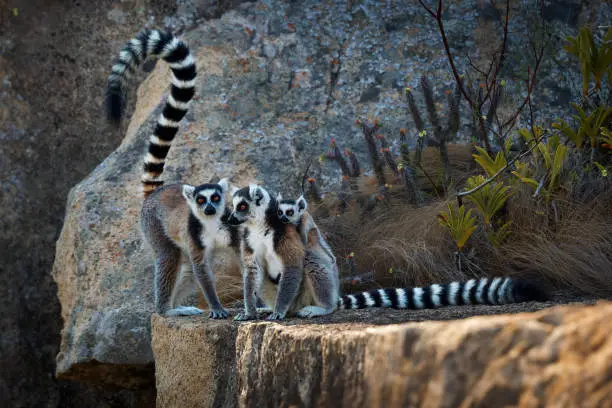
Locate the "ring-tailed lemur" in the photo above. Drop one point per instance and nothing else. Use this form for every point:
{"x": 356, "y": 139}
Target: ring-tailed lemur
{"x": 292, "y": 211}
{"x": 320, "y": 268}
{"x": 277, "y": 250}
{"x": 321, "y": 274}
{"x": 183, "y": 224}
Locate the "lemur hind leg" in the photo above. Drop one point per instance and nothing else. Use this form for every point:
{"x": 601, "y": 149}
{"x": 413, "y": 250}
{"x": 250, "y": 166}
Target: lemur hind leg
{"x": 321, "y": 280}
{"x": 184, "y": 287}
{"x": 167, "y": 265}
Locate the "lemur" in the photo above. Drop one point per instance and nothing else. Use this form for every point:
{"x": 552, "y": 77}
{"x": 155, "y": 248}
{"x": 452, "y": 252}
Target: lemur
{"x": 320, "y": 269}
{"x": 301, "y": 292}
{"x": 277, "y": 250}
{"x": 292, "y": 211}
{"x": 182, "y": 223}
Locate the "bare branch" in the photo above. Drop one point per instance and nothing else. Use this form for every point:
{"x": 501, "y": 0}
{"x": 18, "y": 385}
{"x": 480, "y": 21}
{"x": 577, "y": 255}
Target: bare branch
{"x": 462, "y": 194}
{"x": 426, "y": 7}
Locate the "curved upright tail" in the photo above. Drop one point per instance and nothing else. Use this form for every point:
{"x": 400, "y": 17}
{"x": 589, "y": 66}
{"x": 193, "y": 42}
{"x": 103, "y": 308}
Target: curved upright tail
{"x": 177, "y": 55}
{"x": 497, "y": 291}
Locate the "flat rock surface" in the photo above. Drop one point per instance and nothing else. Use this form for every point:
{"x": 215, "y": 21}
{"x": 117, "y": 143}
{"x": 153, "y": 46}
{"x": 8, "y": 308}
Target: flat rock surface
{"x": 557, "y": 356}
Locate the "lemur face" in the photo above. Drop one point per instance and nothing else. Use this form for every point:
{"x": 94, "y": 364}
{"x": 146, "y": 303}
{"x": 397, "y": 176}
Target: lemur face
{"x": 249, "y": 203}
{"x": 291, "y": 211}
{"x": 206, "y": 199}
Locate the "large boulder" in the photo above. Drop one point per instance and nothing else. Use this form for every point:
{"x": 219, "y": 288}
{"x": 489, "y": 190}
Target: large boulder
{"x": 277, "y": 80}
{"x": 556, "y": 357}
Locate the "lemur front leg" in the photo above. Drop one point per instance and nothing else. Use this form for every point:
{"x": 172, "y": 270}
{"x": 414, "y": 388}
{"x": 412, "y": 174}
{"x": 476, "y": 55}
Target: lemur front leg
{"x": 288, "y": 288}
{"x": 206, "y": 280}
{"x": 249, "y": 284}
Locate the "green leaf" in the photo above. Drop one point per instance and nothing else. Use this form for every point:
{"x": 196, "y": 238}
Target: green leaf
{"x": 560, "y": 154}
{"x": 489, "y": 199}
{"x": 527, "y": 180}
{"x": 488, "y": 164}
{"x": 461, "y": 224}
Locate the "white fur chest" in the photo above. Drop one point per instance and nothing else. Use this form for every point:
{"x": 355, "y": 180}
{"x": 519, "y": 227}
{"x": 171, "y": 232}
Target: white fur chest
{"x": 261, "y": 240}
{"x": 214, "y": 235}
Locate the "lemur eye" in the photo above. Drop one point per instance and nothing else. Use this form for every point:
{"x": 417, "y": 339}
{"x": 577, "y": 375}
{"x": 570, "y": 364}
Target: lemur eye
{"x": 201, "y": 200}
{"x": 280, "y": 212}
{"x": 290, "y": 213}
{"x": 215, "y": 198}
{"x": 243, "y": 207}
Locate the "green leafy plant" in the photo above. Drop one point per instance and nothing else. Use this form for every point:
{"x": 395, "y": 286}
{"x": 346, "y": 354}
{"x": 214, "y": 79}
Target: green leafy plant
{"x": 594, "y": 60}
{"x": 548, "y": 161}
{"x": 460, "y": 223}
{"x": 498, "y": 235}
{"x": 489, "y": 164}
{"x": 606, "y": 138}
{"x": 589, "y": 126}
{"x": 489, "y": 199}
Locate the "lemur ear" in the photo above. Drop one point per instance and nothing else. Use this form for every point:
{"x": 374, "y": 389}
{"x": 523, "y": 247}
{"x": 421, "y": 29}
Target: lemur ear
{"x": 301, "y": 202}
{"x": 188, "y": 191}
{"x": 259, "y": 196}
{"x": 279, "y": 197}
{"x": 224, "y": 184}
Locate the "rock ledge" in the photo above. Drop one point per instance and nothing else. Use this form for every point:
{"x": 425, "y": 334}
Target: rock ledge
{"x": 557, "y": 356}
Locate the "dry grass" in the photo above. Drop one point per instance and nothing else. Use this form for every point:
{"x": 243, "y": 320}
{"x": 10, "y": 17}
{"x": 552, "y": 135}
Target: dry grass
{"x": 402, "y": 245}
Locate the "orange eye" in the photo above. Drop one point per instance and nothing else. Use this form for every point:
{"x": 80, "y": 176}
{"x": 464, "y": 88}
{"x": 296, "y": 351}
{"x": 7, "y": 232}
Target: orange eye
{"x": 201, "y": 200}
{"x": 242, "y": 207}
{"x": 215, "y": 198}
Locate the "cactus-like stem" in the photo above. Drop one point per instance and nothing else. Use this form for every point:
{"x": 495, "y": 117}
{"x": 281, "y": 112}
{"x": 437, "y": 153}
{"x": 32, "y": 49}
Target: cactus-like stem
{"x": 454, "y": 101}
{"x": 369, "y": 130}
{"x": 355, "y": 167}
{"x": 314, "y": 193}
{"x": 431, "y": 109}
{"x": 335, "y": 155}
{"x": 416, "y": 116}
{"x": 387, "y": 155}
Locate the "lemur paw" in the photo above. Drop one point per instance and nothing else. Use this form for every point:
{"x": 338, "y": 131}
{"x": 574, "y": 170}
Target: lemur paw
{"x": 218, "y": 314}
{"x": 184, "y": 311}
{"x": 275, "y": 316}
{"x": 242, "y": 316}
{"x": 264, "y": 309}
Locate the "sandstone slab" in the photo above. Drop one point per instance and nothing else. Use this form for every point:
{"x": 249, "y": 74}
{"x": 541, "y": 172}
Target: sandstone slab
{"x": 558, "y": 356}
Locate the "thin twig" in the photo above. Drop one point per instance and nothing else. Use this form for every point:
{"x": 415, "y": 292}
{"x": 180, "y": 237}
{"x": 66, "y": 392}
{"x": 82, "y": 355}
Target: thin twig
{"x": 531, "y": 82}
{"x": 540, "y": 185}
{"x": 461, "y": 194}
{"x": 438, "y": 17}
{"x": 502, "y": 52}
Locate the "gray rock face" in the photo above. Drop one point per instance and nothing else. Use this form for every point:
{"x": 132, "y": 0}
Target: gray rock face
{"x": 277, "y": 80}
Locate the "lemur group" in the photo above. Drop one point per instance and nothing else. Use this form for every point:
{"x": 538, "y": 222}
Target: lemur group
{"x": 284, "y": 258}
